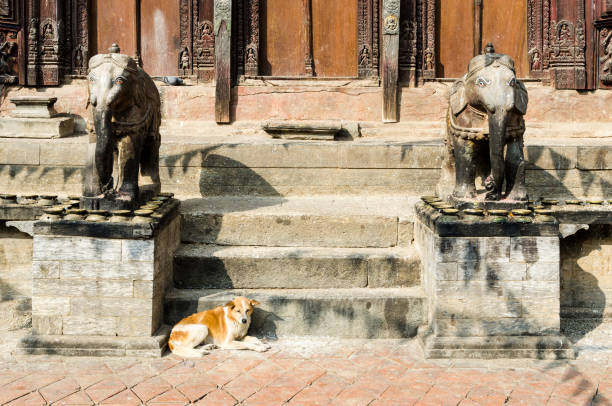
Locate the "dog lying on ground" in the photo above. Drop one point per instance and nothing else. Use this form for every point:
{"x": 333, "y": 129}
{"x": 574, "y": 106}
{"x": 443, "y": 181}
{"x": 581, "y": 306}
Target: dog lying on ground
{"x": 223, "y": 327}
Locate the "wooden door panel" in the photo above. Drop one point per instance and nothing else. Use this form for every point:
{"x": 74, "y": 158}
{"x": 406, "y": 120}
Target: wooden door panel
{"x": 456, "y": 36}
{"x": 504, "y": 23}
{"x": 283, "y": 39}
{"x": 115, "y": 23}
{"x": 334, "y": 31}
{"x": 160, "y": 38}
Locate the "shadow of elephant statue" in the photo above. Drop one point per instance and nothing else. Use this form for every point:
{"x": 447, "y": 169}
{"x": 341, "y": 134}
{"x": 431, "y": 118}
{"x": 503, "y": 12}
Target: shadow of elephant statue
{"x": 125, "y": 111}
{"x": 485, "y": 128}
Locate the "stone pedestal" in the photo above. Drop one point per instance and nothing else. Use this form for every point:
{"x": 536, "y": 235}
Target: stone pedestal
{"x": 98, "y": 288}
{"x": 493, "y": 289}
{"x": 35, "y": 117}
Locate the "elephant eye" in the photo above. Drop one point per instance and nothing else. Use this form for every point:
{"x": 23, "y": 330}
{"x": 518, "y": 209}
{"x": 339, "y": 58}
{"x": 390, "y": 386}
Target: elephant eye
{"x": 482, "y": 82}
{"x": 512, "y": 82}
{"x": 120, "y": 80}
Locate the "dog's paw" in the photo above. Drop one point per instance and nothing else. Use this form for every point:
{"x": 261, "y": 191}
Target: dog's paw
{"x": 209, "y": 347}
{"x": 262, "y": 348}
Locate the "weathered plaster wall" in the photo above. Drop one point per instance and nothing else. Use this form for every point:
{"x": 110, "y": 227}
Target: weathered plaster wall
{"x": 586, "y": 273}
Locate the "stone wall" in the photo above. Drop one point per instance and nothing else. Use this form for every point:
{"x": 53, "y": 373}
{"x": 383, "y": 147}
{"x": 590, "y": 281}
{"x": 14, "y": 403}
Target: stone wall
{"x": 15, "y": 263}
{"x": 586, "y": 274}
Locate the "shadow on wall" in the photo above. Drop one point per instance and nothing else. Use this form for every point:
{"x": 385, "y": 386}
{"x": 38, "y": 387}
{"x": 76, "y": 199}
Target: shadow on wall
{"x": 584, "y": 262}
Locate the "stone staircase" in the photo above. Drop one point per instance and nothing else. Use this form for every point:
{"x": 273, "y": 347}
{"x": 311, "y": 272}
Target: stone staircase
{"x": 328, "y": 265}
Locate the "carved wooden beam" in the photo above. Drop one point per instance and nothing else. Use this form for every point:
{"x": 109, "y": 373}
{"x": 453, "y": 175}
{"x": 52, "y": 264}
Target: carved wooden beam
{"x": 390, "y": 59}
{"x": 223, "y": 41}
{"x": 477, "y": 27}
{"x": 308, "y": 59}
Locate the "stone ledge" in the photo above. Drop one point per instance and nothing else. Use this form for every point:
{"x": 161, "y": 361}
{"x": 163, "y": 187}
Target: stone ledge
{"x": 56, "y": 127}
{"x": 96, "y": 346}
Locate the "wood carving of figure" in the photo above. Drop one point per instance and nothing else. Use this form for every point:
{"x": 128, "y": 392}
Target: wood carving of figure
{"x": 564, "y": 34}
{"x": 184, "y": 64}
{"x": 606, "y": 59}
{"x": 536, "y": 62}
{"x": 6, "y": 49}
{"x": 364, "y": 56}
{"x": 429, "y": 61}
{"x": 78, "y": 58}
{"x": 251, "y": 56}
{"x": 4, "y": 8}
{"x": 48, "y": 31}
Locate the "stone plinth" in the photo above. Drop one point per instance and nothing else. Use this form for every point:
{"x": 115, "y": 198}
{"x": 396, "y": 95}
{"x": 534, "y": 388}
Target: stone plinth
{"x": 35, "y": 117}
{"x": 98, "y": 288}
{"x": 493, "y": 289}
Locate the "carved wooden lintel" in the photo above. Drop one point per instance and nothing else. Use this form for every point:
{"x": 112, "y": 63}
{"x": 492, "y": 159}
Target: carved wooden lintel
{"x": 223, "y": 41}
{"x": 390, "y": 60}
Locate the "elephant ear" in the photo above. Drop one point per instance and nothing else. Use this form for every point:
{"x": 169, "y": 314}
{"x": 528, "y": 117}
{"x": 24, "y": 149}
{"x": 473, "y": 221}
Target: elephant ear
{"x": 520, "y": 97}
{"x": 458, "y": 101}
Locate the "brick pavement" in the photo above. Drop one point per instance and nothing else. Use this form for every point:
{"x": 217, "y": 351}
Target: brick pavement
{"x": 306, "y": 372}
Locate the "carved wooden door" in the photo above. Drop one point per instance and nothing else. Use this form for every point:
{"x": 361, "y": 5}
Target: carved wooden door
{"x": 502, "y": 22}
{"x": 309, "y": 37}
{"x": 116, "y": 22}
{"x": 159, "y": 37}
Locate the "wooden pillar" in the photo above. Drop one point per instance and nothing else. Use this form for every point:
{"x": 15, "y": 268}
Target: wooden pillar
{"x": 223, "y": 41}
{"x": 390, "y": 59}
{"x": 477, "y": 27}
{"x": 308, "y": 58}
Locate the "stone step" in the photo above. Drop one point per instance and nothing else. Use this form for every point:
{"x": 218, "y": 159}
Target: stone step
{"x": 212, "y": 266}
{"x": 309, "y": 221}
{"x": 347, "y": 313}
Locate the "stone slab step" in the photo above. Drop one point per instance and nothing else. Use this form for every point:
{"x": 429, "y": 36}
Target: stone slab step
{"x": 329, "y": 221}
{"x": 211, "y": 266}
{"x": 346, "y": 313}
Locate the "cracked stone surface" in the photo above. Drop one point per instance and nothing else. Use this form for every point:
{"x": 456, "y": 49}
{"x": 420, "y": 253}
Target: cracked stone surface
{"x": 310, "y": 371}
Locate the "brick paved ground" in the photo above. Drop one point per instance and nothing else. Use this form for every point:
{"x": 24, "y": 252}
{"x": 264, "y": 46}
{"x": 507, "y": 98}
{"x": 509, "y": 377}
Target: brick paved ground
{"x": 307, "y": 372}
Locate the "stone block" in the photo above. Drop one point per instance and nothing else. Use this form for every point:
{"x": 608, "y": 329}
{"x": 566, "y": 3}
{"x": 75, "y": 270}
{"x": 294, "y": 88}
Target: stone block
{"x": 446, "y": 271}
{"x": 490, "y": 327}
{"x": 551, "y": 157}
{"x": 89, "y": 326}
{"x": 541, "y": 289}
{"x": 83, "y": 288}
{"x": 56, "y": 127}
{"x": 138, "y": 250}
{"x": 595, "y": 158}
{"x": 459, "y": 249}
{"x": 19, "y": 153}
{"x": 142, "y": 271}
{"x": 491, "y": 271}
{"x": 543, "y": 271}
{"x": 497, "y": 249}
{"x": 63, "y": 154}
{"x": 135, "y": 326}
{"x": 391, "y": 156}
{"x": 143, "y": 289}
{"x": 34, "y": 106}
{"x": 45, "y": 269}
{"x": 55, "y": 248}
{"x": 534, "y": 249}
{"x": 42, "y": 325}
{"x": 394, "y": 271}
{"x": 405, "y": 232}
{"x": 51, "y": 306}
{"x": 110, "y": 307}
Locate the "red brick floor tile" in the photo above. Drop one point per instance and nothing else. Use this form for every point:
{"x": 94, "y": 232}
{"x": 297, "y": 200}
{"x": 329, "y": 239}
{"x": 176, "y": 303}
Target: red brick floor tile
{"x": 340, "y": 368}
{"x": 76, "y": 399}
{"x": 32, "y": 399}
{"x": 33, "y": 381}
{"x": 442, "y": 396}
{"x": 224, "y": 373}
{"x": 59, "y": 390}
{"x": 151, "y": 388}
{"x": 412, "y": 392}
{"x": 172, "y": 396}
{"x": 217, "y": 398}
{"x": 197, "y": 387}
{"x": 270, "y": 396}
{"x": 7, "y": 395}
{"x": 160, "y": 365}
{"x": 242, "y": 387}
{"x": 126, "y": 397}
{"x": 354, "y": 396}
{"x": 175, "y": 379}
{"x": 266, "y": 372}
{"x": 85, "y": 381}
{"x": 469, "y": 402}
{"x": 135, "y": 374}
{"x": 105, "y": 389}
{"x": 119, "y": 365}
{"x": 7, "y": 377}
{"x": 487, "y": 396}
{"x": 321, "y": 391}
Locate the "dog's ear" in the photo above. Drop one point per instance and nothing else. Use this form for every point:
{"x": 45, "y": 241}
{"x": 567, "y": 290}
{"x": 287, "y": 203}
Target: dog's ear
{"x": 231, "y": 305}
{"x": 254, "y": 303}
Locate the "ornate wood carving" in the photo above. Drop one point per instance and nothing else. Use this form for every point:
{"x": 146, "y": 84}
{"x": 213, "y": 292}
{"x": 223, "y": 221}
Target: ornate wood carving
{"x": 197, "y": 37}
{"x": 568, "y": 47}
{"x": 11, "y": 43}
{"x": 79, "y": 56}
{"x": 428, "y": 21}
{"x": 408, "y": 52}
{"x": 390, "y": 60}
{"x": 603, "y": 45}
{"x": 252, "y": 47}
{"x": 308, "y": 59}
{"x": 367, "y": 25}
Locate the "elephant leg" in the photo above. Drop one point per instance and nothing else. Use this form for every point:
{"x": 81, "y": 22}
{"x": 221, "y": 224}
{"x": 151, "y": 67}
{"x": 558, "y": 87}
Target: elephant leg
{"x": 129, "y": 166}
{"x": 150, "y": 161}
{"x": 515, "y": 172}
{"x": 465, "y": 170}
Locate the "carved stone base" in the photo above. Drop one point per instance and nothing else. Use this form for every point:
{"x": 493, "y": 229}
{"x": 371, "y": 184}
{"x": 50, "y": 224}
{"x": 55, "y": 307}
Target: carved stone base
{"x": 536, "y": 347}
{"x": 96, "y": 346}
{"x": 462, "y": 204}
{"x": 147, "y": 193}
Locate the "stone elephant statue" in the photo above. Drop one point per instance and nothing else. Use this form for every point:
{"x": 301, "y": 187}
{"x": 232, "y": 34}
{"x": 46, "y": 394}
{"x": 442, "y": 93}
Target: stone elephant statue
{"x": 125, "y": 111}
{"x": 485, "y": 128}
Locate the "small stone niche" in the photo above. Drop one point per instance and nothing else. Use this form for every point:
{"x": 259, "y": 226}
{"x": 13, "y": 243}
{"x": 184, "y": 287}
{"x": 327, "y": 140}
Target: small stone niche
{"x": 35, "y": 117}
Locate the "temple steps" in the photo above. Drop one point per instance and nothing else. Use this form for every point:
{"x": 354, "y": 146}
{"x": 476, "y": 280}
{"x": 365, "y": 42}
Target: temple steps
{"x": 213, "y": 266}
{"x": 346, "y": 313}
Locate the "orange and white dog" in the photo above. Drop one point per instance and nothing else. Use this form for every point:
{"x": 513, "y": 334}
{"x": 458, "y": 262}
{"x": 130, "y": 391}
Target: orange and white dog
{"x": 223, "y": 327}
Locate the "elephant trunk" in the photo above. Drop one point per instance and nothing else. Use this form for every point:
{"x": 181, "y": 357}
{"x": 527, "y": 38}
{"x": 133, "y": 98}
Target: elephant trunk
{"x": 104, "y": 148}
{"x": 497, "y": 136}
